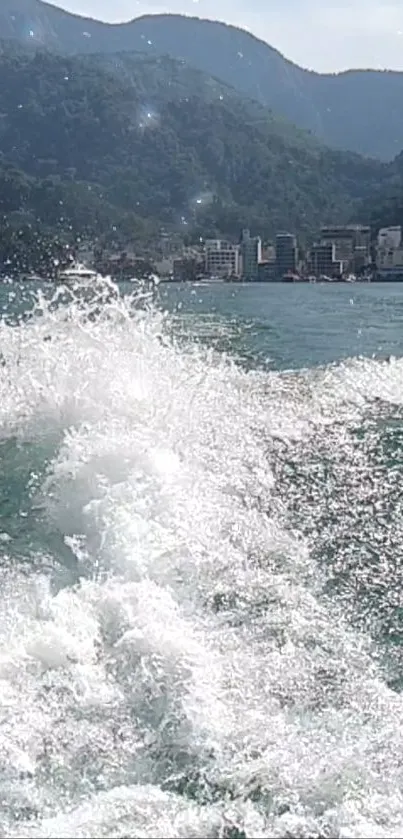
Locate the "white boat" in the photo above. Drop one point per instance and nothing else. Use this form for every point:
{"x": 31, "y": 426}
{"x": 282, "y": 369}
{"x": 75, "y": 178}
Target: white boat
{"x": 209, "y": 280}
{"x": 77, "y": 273}
{"x": 35, "y": 278}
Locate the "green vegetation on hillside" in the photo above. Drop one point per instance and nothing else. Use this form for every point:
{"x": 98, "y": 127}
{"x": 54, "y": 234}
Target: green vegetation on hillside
{"x": 384, "y": 207}
{"x": 118, "y": 147}
{"x": 358, "y": 110}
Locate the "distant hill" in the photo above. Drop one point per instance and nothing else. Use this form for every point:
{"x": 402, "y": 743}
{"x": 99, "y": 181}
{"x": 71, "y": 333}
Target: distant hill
{"x": 98, "y": 143}
{"x": 384, "y": 206}
{"x": 358, "y": 110}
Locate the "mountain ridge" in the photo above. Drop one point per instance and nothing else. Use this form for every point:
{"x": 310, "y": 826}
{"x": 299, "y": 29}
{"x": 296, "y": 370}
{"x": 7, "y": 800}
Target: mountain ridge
{"x": 19, "y": 5}
{"x": 356, "y": 110}
{"x": 107, "y": 137}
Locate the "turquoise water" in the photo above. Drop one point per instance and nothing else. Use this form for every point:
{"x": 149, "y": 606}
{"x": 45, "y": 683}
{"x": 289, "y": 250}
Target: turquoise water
{"x": 283, "y": 326}
{"x": 201, "y": 540}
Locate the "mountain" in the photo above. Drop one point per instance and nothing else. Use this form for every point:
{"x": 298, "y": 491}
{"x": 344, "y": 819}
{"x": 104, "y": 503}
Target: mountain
{"x": 384, "y": 206}
{"x": 357, "y": 110}
{"x": 92, "y": 144}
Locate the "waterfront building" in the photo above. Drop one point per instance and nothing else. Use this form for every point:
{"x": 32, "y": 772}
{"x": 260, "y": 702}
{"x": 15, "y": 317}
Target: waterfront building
{"x": 266, "y": 271}
{"x": 187, "y": 268}
{"x": 251, "y": 254}
{"x": 352, "y": 243}
{"x": 222, "y": 258}
{"x": 389, "y": 253}
{"x": 268, "y": 253}
{"x": 286, "y": 254}
{"x": 323, "y": 260}
{"x": 389, "y": 238}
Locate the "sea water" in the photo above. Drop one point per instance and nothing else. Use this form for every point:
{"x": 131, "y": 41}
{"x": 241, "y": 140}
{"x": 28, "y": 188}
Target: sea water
{"x": 201, "y": 541}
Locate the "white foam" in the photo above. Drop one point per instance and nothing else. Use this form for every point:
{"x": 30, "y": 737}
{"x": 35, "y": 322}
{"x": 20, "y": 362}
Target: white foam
{"x": 196, "y": 643}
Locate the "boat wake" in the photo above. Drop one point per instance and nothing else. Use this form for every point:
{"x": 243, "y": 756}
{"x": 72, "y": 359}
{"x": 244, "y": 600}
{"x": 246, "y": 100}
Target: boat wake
{"x": 182, "y": 653}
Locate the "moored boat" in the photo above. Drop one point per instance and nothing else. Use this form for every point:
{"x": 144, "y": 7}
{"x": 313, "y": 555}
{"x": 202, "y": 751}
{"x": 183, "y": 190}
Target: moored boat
{"x": 77, "y": 273}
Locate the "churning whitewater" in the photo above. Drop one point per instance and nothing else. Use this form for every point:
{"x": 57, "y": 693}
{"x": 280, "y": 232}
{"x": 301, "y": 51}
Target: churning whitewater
{"x": 178, "y": 658}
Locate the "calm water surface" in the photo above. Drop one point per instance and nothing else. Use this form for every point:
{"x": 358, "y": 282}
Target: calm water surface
{"x": 287, "y": 325}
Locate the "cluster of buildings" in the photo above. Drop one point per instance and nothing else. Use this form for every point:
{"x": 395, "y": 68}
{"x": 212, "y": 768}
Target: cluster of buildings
{"x": 339, "y": 253}
{"x": 349, "y": 249}
{"x": 233, "y": 261}
{"x": 342, "y": 252}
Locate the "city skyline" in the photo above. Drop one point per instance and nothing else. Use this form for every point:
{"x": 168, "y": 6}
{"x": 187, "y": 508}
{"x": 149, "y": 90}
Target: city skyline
{"x": 340, "y": 35}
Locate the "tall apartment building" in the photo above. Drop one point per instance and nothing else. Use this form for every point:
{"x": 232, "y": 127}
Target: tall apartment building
{"x": 251, "y": 255}
{"x": 352, "y": 243}
{"x": 389, "y": 238}
{"x": 286, "y": 254}
{"x": 389, "y": 251}
{"x": 323, "y": 260}
{"x": 221, "y": 258}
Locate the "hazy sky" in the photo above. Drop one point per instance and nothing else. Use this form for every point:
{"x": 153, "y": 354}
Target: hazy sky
{"x": 324, "y": 35}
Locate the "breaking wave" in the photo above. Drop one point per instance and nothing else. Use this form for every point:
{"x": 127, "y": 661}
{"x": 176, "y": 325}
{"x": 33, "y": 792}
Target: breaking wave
{"x": 200, "y": 577}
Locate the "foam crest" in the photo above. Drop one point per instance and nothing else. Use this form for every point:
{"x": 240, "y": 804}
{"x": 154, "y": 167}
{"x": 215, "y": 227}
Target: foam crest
{"x": 190, "y": 677}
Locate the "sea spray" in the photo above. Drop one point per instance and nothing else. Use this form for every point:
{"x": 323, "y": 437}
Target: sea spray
{"x": 171, "y": 662}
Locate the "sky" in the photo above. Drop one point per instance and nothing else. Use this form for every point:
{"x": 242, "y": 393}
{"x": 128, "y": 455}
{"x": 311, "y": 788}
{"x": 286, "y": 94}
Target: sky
{"x": 323, "y": 35}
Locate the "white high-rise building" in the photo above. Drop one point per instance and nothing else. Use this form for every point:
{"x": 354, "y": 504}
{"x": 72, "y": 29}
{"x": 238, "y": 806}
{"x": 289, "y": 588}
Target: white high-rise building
{"x": 389, "y": 251}
{"x": 390, "y": 237}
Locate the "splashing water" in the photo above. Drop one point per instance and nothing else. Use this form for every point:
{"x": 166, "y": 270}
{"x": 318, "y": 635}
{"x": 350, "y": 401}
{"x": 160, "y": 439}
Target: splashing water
{"x": 173, "y": 660}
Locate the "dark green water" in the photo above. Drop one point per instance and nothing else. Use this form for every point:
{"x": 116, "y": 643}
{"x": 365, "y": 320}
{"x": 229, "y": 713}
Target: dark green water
{"x": 288, "y": 326}
{"x": 201, "y": 561}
